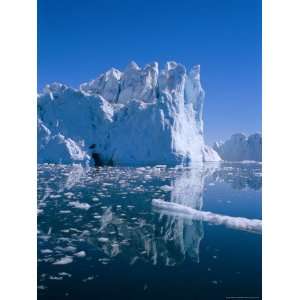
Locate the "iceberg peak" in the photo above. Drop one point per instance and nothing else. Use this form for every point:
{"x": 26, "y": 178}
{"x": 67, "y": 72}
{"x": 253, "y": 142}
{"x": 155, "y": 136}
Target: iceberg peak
{"x": 138, "y": 116}
{"x": 132, "y": 66}
{"x": 55, "y": 87}
{"x": 113, "y": 73}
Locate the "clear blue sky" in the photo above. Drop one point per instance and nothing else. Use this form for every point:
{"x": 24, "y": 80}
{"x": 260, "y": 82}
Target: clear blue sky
{"x": 79, "y": 39}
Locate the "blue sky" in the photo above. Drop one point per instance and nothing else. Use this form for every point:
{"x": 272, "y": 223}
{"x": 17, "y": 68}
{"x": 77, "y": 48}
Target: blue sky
{"x": 79, "y": 39}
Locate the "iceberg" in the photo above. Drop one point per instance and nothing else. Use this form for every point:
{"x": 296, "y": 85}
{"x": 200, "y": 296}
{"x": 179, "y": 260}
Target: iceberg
{"x": 240, "y": 148}
{"x": 142, "y": 116}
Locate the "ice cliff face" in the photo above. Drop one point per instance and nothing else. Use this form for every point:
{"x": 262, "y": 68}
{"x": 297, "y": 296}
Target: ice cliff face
{"x": 239, "y": 147}
{"x": 142, "y": 116}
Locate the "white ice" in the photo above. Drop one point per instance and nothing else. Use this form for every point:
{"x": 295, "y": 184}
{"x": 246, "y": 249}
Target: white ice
{"x": 142, "y": 116}
{"x": 63, "y": 261}
{"x": 240, "y": 148}
{"x": 80, "y": 254}
{"x": 79, "y": 205}
{"x": 171, "y": 208}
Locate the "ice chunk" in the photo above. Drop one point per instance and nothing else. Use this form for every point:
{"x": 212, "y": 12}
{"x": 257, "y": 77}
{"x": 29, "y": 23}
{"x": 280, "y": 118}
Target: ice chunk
{"x": 252, "y": 225}
{"x": 88, "y": 278}
{"x": 80, "y": 254}
{"x": 55, "y": 277}
{"x": 46, "y": 251}
{"x": 80, "y": 205}
{"x": 65, "y": 274}
{"x": 64, "y": 261}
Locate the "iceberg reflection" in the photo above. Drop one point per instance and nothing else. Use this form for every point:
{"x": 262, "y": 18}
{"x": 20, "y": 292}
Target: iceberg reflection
{"x": 240, "y": 175}
{"x": 164, "y": 240}
{"x": 185, "y": 234}
{"x": 115, "y": 219}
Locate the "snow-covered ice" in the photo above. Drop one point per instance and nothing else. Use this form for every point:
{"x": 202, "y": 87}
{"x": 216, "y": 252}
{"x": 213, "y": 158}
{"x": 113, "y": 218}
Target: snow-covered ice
{"x": 142, "y": 116}
{"x": 240, "y": 148}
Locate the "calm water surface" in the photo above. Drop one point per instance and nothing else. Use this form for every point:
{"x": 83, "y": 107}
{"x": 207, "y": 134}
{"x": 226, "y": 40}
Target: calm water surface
{"x": 99, "y": 237}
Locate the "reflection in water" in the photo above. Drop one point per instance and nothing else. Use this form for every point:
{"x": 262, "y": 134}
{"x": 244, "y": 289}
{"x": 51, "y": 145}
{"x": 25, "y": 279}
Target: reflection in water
{"x": 169, "y": 240}
{"x": 118, "y": 230}
{"x": 76, "y": 173}
{"x": 184, "y": 234}
{"x": 166, "y": 241}
{"x": 188, "y": 186}
{"x": 240, "y": 176}
{"x": 105, "y": 215}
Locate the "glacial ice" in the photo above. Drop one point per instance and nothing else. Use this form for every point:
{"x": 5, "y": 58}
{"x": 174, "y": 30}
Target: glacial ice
{"x": 240, "y": 148}
{"x": 172, "y": 208}
{"x": 142, "y": 116}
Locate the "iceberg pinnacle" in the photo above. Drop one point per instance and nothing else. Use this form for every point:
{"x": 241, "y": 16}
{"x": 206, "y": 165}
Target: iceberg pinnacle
{"x": 141, "y": 116}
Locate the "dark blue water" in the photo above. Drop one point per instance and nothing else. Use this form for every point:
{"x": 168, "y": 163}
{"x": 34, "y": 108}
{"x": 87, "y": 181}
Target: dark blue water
{"x": 100, "y": 238}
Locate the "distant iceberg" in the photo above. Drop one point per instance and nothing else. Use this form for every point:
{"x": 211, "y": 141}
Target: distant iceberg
{"x": 240, "y": 147}
{"x": 142, "y": 116}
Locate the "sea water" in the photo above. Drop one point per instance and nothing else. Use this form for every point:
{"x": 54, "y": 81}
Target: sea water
{"x": 100, "y": 237}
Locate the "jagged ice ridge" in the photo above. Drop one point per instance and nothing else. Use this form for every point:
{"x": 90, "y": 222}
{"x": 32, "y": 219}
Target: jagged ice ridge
{"x": 240, "y": 147}
{"x": 142, "y": 116}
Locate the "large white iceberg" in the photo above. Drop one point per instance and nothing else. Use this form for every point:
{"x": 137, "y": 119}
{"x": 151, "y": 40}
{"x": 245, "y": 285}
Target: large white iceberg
{"x": 240, "y": 147}
{"x": 142, "y": 116}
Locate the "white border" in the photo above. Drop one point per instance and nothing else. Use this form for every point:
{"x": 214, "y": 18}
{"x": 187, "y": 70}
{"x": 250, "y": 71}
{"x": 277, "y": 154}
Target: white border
{"x": 281, "y": 151}
{"x": 18, "y": 149}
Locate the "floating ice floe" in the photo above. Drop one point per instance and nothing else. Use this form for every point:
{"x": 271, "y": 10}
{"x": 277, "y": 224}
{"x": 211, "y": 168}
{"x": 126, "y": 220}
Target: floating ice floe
{"x": 55, "y": 278}
{"x": 88, "y": 278}
{"x": 80, "y": 254}
{"x": 64, "y": 211}
{"x": 103, "y": 240}
{"x": 65, "y": 274}
{"x": 46, "y": 251}
{"x": 170, "y": 208}
{"x": 80, "y": 205}
{"x": 64, "y": 261}
{"x": 41, "y": 287}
